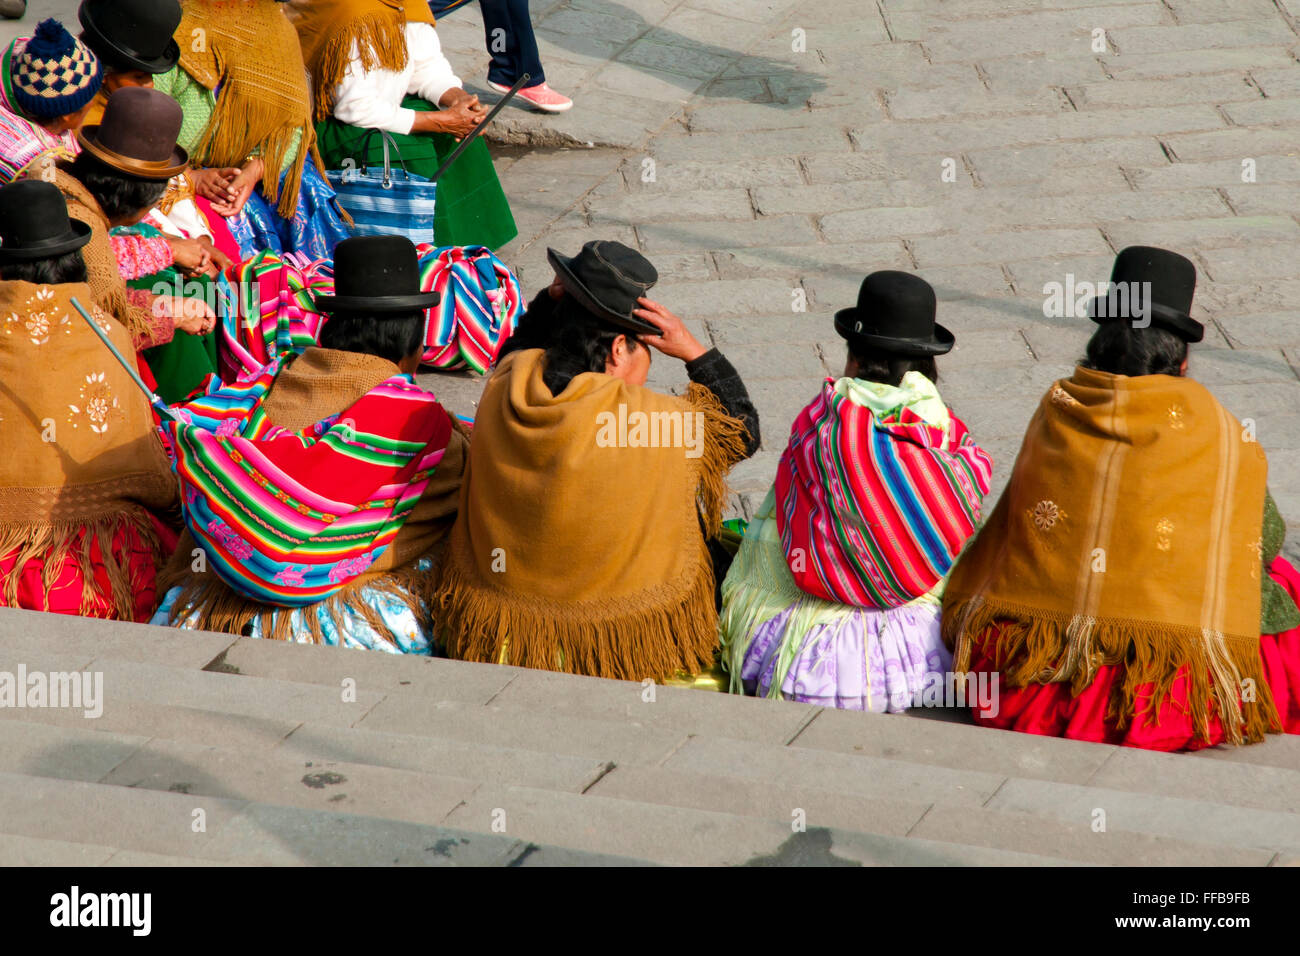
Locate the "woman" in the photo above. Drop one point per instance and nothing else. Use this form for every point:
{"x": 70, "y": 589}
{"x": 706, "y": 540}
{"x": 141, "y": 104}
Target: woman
{"x": 508, "y": 30}
{"x": 248, "y": 122}
{"x": 83, "y": 478}
{"x": 120, "y": 173}
{"x": 344, "y": 428}
{"x": 1120, "y": 588}
{"x": 581, "y": 541}
{"x": 47, "y": 83}
{"x": 834, "y": 596}
{"x": 377, "y": 64}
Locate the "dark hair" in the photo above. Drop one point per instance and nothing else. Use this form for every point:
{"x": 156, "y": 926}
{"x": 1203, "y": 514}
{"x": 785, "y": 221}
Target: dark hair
{"x": 119, "y": 194}
{"x": 889, "y": 369}
{"x": 69, "y": 267}
{"x": 1121, "y": 349}
{"x": 575, "y": 340}
{"x": 393, "y": 337}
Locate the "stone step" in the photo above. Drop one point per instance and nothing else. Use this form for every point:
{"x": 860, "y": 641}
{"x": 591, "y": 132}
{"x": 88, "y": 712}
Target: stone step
{"x": 681, "y": 836}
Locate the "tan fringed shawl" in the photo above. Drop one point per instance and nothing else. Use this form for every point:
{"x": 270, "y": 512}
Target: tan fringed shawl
{"x": 1129, "y": 534}
{"x": 569, "y": 554}
{"x": 106, "y": 282}
{"x": 251, "y": 50}
{"x": 317, "y": 384}
{"x": 80, "y": 450}
{"x": 329, "y": 28}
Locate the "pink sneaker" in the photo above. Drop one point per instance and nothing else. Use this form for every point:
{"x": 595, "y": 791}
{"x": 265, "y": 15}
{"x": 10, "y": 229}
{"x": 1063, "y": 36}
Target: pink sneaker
{"x": 540, "y": 96}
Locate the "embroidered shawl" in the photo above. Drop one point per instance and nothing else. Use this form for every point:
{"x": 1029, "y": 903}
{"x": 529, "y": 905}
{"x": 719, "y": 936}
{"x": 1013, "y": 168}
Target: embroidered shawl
{"x": 288, "y": 516}
{"x": 1129, "y": 534}
{"x": 250, "y": 50}
{"x": 329, "y": 29}
{"x": 874, "y": 503}
{"x": 81, "y": 458}
{"x": 578, "y": 546}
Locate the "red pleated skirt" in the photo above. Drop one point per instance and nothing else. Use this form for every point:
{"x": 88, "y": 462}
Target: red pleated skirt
{"x": 1052, "y": 710}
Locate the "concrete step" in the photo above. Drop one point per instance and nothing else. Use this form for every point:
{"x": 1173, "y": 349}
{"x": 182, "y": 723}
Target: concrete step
{"x": 681, "y": 836}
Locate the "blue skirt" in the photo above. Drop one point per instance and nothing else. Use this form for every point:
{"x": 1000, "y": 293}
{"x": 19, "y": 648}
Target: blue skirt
{"x": 316, "y": 228}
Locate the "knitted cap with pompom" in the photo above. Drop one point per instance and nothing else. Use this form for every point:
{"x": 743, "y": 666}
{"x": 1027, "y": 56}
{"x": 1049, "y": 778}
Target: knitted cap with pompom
{"x": 52, "y": 73}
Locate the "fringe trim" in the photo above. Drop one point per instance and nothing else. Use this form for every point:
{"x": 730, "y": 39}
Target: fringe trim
{"x": 1037, "y": 647}
{"x": 58, "y": 542}
{"x": 381, "y": 41}
{"x": 226, "y": 142}
{"x": 651, "y": 634}
{"x": 724, "y": 447}
{"x": 207, "y": 603}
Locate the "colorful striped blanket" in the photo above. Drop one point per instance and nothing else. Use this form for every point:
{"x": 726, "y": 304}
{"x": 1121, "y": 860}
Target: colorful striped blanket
{"x": 289, "y": 517}
{"x": 272, "y": 309}
{"x": 875, "y": 505}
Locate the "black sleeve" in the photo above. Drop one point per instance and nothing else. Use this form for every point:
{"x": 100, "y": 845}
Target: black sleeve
{"x": 714, "y": 372}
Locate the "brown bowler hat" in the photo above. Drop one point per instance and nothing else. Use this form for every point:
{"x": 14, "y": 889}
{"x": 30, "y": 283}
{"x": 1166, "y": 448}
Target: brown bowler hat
{"x": 138, "y": 134}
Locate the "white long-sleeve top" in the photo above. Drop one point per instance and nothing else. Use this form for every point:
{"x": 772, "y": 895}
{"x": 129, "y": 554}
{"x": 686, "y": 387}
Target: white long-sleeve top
{"x": 372, "y": 100}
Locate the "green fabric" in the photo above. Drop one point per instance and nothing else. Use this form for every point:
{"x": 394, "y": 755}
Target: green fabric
{"x": 197, "y": 103}
{"x": 915, "y": 391}
{"x": 1277, "y": 612}
{"x": 472, "y": 209}
{"x": 181, "y": 365}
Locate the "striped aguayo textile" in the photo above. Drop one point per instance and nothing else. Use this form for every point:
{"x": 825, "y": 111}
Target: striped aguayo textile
{"x": 270, "y": 308}
{"x": 288, "y": 518}
{"x": 873, "y": 511}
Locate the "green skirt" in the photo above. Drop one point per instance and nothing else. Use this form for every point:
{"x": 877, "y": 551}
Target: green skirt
{"x": 471, "y": 210}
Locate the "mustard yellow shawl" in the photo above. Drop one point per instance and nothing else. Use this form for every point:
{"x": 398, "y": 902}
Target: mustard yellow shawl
{"x": 1128, "y": 534}
{"x": 578, "y": 546}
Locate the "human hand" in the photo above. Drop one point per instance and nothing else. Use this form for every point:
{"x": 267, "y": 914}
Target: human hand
{"x": 674, "y": 339}
{"x": 214, "y": 184}
{"x": 190, "y": 256}
{"x": 241, "y": 187}
{"x": 189, "y": 315}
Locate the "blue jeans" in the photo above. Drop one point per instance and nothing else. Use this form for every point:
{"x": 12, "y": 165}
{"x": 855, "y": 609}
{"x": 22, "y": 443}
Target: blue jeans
{"x": 508, "y": 32}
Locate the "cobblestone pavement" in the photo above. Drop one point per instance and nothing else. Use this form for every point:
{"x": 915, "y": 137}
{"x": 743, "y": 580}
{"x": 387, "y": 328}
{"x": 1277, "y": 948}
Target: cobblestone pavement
{"x": 766, "y": 154}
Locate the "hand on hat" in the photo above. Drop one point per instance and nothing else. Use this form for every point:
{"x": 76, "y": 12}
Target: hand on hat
{"x": 674, "y": 339}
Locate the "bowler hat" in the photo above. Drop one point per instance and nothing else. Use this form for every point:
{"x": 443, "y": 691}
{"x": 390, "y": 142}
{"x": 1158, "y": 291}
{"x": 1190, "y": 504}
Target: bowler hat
{"x": 377, "y": 274}
{"x": 607, "y": 278}
{"x": 895, "y": 314}
{"x": 1172, "y": 283}
{"x": 34, "y": 223}
{"x": 137, "y": 134}
{"x": 134, "y": 33}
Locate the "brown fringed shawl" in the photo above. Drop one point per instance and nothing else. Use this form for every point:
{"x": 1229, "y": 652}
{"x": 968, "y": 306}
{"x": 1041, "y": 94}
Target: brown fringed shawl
{"x": 1129, "y": 534}
{"x": 106, "y": 282}
{"x": 80, "y": 451}
{"x": 329, "y": 28}
{"x": 574, "y": 552}
{"x": 250, "y": 49}
{"x": 317, "y": 384}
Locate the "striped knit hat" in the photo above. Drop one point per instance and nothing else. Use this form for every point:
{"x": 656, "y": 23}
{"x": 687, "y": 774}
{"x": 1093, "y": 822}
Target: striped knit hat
{"x": 53, "y": 74}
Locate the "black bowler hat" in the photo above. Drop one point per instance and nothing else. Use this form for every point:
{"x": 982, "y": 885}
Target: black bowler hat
{"x": 895, "y": 314}
{"x": 136, "y": 33}
{"x": 34, "y": 223}
{"x": 377, "y": 274}
{"x": 607, "y": 278}
{"x": 1172, "y": 281}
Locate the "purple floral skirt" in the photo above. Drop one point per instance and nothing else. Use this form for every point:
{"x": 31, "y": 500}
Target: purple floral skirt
{"x": 868, "y": 660}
